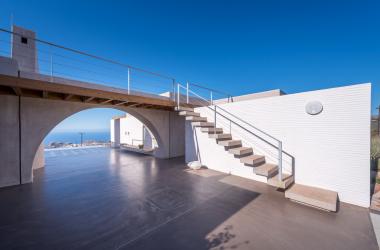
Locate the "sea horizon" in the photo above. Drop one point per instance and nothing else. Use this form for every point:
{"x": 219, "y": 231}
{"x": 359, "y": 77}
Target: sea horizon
{"x": 75, "y": 137}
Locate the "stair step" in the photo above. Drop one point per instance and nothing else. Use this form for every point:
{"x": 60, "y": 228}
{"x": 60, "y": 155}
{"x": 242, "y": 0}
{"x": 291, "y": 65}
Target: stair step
{"x": 312, "y": 196}
{"x": 267, "y": 169}
{"x": 229, "y": 143}
{"x": 196, "y": 119}
{"x": 253, "y": 160}
{"x": 241, "y": 151}
{"x": 286, "y": 181}
{"x": 189, "y": 113}
{"x": 220, "y": 136}
{"x": 212, "y": 130}
{"x": 184, "y": 109}
{"x": 203, "y": 124}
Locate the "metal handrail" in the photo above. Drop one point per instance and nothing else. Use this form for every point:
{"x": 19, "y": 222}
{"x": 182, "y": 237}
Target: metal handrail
{"x": 279, "y": 146}
{"x": 89, "y": 55}
{"x": 238, "y": 118}
{"x": 210, "y": 89}
{"x": 128, "y": 66}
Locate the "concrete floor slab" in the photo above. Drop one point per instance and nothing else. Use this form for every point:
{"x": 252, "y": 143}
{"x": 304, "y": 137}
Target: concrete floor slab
{"x": 108, "y": 199}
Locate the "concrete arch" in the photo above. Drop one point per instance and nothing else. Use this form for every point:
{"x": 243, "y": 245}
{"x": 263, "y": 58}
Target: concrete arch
{"x": 37, "y": 117}
{"x": 138, "y": 114}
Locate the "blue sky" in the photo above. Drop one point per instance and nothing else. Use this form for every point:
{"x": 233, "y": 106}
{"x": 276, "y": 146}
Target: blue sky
{"x": 236, "y": 46}
{"x": 91, "y": 120}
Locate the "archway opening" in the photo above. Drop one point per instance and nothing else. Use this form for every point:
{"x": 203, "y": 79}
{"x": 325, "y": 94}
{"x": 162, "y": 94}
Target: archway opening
{"x": 94, "y": 129}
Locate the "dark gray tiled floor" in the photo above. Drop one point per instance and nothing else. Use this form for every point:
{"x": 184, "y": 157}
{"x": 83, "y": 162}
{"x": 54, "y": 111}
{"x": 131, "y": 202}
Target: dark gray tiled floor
{"x": 107, "y": 199}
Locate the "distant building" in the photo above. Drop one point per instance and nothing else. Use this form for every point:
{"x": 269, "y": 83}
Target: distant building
{"x": 128, "y": 131}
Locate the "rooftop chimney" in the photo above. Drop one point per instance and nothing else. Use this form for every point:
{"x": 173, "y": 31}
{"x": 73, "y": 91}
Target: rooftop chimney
{"x": 24, "y": 49}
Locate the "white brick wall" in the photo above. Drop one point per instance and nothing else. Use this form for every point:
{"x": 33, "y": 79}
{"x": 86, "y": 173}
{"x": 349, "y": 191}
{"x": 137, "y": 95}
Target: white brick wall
{"x": 131, "y": 130}
{"x": 330, "y": 150}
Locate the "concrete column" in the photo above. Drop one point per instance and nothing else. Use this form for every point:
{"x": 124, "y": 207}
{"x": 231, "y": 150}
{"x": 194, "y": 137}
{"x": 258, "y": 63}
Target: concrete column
{"x": 177, "y": 134}
{"x": 9, "y": 141}
{"x": 167, "y": 127}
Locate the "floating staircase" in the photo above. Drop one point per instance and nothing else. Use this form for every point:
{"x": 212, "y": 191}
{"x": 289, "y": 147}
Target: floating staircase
{"x": 235, "y": 147}
{"x": 310, "y": 196}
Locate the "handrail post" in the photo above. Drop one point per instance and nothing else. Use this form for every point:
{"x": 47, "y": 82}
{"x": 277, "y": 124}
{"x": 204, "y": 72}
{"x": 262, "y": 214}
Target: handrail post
{"x": 129, "y": 80}
{"x": 280, "y": 161}
{"x": 51, "y": 68}
{"x": 173, "y": 91}
{"x": 178, "y": 96}
{"x": 214, "y": 119}
{"x": 187, "y": 92}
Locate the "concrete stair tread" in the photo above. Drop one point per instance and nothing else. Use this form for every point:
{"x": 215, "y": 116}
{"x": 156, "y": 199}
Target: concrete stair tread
{"x": 189, "y": 113}
{"x": 286, "y": 181}
{"x": 316, "y": 197}
{"x": 266, "y": 169}
{"x": 184, "y": 109}
{"x": 240, "y": 151}
{"x": 229, "y": 143}
{"x": 196, "y": 118}
{"x": 221, "y": 136}
{"x": 252, "y": 159}
{"x": 203, "y": 124}
{"x": 212, "y": 130}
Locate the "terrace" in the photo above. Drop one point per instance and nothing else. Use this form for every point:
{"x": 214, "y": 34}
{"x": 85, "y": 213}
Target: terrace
{"x": 111, "y": 199}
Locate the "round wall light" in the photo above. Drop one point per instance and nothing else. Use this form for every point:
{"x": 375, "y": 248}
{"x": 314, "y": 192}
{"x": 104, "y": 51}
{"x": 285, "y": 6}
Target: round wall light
{"x": 314, "y": 108}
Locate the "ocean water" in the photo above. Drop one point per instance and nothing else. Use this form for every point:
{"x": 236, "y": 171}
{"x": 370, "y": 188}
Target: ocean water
{"x": 74, "y": 137}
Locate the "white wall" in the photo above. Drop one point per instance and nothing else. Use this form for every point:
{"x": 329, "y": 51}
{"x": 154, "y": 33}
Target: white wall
{"x": 329, "y": 150}
{"x": 115, "y": 132}
{"x": 200, "y": 147}
{"x": 130, "y": 130}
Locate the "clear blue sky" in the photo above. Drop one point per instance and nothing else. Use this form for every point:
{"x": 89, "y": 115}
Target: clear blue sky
{"x": 239, "y": 47}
